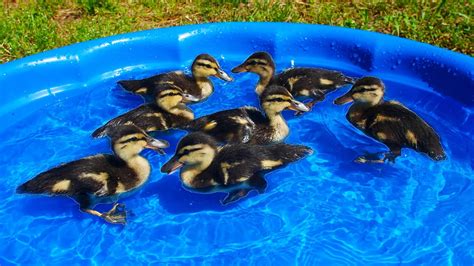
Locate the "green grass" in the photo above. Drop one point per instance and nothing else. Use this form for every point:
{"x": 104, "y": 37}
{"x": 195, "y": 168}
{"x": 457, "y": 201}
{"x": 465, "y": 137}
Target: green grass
{"x": 34, "y": 26}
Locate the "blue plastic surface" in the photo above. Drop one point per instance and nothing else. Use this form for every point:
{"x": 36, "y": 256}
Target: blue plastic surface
{"x": 322, "y": 210}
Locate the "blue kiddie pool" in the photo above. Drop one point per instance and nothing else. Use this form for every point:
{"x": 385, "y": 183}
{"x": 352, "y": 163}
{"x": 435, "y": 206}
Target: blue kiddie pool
{"x": 323, "y": 210}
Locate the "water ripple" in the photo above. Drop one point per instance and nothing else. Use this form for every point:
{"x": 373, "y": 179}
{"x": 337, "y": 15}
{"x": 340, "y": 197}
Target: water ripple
{"x": 322, "y": 210}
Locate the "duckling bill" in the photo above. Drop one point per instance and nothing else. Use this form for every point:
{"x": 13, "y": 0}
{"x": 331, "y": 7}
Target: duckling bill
{"x": 248, "y": 124}
{"x": 168, "y": 111}
{"x": 197, "y": 85}
{"x": 235, "y": 169}
{"x": 314, "y": 83}
{"x": 389, "y": 122}
{"x": 101, "y": 178}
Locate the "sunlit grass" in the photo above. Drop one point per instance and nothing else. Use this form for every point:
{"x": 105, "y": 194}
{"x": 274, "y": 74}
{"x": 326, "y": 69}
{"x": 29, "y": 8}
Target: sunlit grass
{"x": 31, "y": 27}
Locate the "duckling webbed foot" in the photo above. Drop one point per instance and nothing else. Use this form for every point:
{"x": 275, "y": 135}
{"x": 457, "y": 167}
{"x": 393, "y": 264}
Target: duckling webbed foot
{"x": 235, "y": 196}
{"x": 375, "y": 158}
{"x": 258, "y": 183}
{"x": 369, "y": 158}
{"x": 116, "y": 215}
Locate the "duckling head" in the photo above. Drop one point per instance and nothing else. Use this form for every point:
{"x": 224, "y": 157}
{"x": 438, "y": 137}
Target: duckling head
{"x": 205, "y": 66}
{"x": 367, "y": 90}
{"x": 274, "y": 99}
{"x": 195, "y": 150}
{"x": 171, "y": 96}
{"x": 260, "y": 63}
{"x": 129, "y": 140}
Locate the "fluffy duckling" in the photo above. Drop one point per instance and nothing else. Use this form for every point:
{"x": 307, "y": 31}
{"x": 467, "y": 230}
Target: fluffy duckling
{"x": 389, "y": 122}
{"x": 197, "y": 85}
{"x": 248, "y": 124}
{"x": 235, "y": 169}
{"x": 314, "y": 83}
{"x": 101, "y": 178}
{"x": 168, "y": 111}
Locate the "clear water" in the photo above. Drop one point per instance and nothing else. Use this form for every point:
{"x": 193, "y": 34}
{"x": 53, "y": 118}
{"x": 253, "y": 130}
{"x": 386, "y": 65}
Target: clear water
{"x": 323, "y": 210}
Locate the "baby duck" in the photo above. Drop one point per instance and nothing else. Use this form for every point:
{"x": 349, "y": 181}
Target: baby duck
{"x": 235, "y": 169}
{"x": 389, "y": 122}
{"x": 197, "y": 85}
{"x": 248, "y": 124}
{"x": 168, "y": 111}
{"x": 101, "y": 178}
{"x": 314, "y": 83}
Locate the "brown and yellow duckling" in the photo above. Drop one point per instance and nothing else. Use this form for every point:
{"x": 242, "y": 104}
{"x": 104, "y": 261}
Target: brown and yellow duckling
{"x": 235, "y": 169}
{"x": 198, "y": 84}
{"x": 102, "y": 178}
{"x": 314, "y": 83}
{"x": 248, "y": 124}
{"x": 389, "y": 122}
{"x": 168, "y": 111}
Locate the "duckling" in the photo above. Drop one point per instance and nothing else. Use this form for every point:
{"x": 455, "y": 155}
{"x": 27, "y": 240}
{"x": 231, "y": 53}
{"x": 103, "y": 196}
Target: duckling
{"x": 389, "y": 122}
{"x": 168, "y": 111}
{"x": 314, "y": 83}
{"x": 197, "y": 85}
{"x": 101, "y": 178}
{"x": 235, "y": 169}
{"x": 248, "y": 124}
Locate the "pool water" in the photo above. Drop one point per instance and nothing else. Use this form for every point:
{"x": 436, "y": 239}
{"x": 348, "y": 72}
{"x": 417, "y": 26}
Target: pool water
{"x": 324, "y": 209}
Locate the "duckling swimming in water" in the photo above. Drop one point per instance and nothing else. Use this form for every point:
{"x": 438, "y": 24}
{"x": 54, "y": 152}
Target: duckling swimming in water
{"x": 389, "y": 122}
{"x": 248, "y": 124}
{"x": 314, "y": 83}
{"x": 168, "y": 111}
{"x": 197, "y": 85}
{"x": 101, "y": 178}
{"x": 236, "y": 169}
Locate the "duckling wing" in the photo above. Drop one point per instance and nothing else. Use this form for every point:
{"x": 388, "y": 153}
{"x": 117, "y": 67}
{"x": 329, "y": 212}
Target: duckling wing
{"x": 98, "y": 175}
{"x": 180, "y": 80}
{"x": 305, "y": 81}
{"x": 141, "y": 86}
{"x": 255, "y": 115}
{"x": 147, "y": 86}
{"x": 148, "y": 117}
{"x": 238, "y": 163}
{"x": 397, "y": 126}
{"x": 234, "y": 125}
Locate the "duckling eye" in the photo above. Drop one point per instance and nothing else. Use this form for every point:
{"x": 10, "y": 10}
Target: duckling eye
{"x": 364, "y": 90}
{"x": 253, "y": 63}
{"x": 169, "y": 94}
{"x": 204, "y": 65}
{"x": 186, "y": 152}
{"x": 277, "y": 100}
{"x": 132, "y": 139}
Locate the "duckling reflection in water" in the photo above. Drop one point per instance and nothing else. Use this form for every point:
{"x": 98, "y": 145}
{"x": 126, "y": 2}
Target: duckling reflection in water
{"x": 102, "y": 178}
{"x": 169, "y": 111}
{"x": 248, "y": 124}
{"x": 197, "y": 85}
{"x": 314, "y": 83}
{"x": 235, "y": 169}
{"x": 389, "y": 122}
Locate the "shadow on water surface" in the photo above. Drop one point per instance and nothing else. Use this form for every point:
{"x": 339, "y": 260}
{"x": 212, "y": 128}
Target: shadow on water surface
{"x": 175, "y": 199}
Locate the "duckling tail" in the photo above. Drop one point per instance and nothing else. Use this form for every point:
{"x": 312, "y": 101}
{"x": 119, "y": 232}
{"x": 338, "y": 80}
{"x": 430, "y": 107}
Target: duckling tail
{"x": 23, "y": 189}
{"x": 349, "y": 80}
{"x": 100, "y": 132}
{"x": 47, "y": 183}
{"x": 195, "y": 125}
{"x": 133, "y": 86}
{"x": 30, "y": 187}
{"x": 287, "y": 153}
